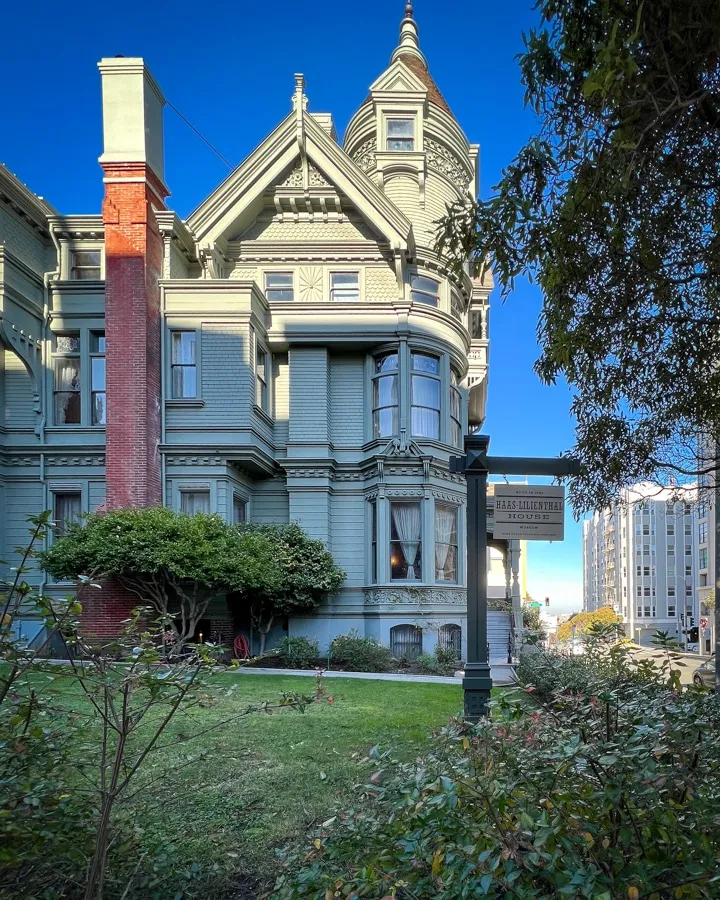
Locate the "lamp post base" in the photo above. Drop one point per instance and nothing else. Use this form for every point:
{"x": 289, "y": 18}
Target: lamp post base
{"x": 477, "y": 685}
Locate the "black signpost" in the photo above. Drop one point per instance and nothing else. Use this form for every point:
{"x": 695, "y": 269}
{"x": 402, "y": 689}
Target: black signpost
{"x": 476, "y": 465}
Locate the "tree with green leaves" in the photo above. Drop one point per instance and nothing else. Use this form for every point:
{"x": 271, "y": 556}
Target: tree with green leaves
{"x": 613, "y": 208}
{"x": 307, "y": 575}
{"x": 175, "y": 563}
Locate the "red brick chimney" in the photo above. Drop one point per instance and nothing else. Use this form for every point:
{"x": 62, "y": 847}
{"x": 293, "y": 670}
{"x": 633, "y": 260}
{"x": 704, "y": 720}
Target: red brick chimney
{"x": 133, "y": 168}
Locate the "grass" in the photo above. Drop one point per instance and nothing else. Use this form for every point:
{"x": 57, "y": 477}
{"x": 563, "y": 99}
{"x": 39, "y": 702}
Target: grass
{"x": 267, "y": 779}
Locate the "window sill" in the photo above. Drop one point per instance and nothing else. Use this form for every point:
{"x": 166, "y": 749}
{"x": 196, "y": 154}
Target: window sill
{"x": 266, "y": 417}
{"x": 185, "y": 403}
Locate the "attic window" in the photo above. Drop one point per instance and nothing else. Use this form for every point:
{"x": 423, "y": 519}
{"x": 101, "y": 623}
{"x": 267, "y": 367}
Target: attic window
{"x": 400, "y": 135}
{"x": 279, "y": 286}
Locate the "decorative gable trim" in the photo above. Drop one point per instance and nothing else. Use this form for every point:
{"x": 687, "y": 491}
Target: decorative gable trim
{"x": 243, "y": 191}
{"x": 399, "y": 79}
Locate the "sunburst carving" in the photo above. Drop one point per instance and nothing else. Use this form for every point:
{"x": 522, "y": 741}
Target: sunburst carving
{"x": 311, "y": 285}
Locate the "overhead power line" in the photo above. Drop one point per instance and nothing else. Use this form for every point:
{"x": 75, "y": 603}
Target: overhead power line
{"x": 200, "y": 135}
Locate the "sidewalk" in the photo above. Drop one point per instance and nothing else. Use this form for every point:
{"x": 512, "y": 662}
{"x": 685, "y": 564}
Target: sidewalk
{"x": 501, "y": 675}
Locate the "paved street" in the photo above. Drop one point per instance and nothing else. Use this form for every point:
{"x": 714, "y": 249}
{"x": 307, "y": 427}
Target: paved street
{"x": 686, "y": 662}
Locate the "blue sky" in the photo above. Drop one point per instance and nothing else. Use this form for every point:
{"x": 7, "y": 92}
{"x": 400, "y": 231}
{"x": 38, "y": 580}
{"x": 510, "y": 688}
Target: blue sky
{"x": 229, "y": 70}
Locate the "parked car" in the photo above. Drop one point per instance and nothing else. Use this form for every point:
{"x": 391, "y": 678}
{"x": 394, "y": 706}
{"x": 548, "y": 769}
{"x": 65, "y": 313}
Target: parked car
{"x": 705, "y": 673}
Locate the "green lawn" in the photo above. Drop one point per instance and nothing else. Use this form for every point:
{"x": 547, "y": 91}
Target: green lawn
{"x": 268, "y": 778}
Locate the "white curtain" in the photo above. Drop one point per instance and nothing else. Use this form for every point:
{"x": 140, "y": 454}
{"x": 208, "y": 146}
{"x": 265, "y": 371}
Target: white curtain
{"x": 426, "y": 405}
{"x": 194, "y": 502}
{"x": 444, "y": 525}
{"x": 406, "y": 517}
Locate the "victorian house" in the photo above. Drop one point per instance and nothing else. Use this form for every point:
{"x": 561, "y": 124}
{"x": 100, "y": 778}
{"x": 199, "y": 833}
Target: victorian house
{"x": 294, "y": 350}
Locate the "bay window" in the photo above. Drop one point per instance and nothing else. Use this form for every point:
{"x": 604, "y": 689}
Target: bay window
{"x": 67, "y": 509}
{"x": 239, "y": 510}
{"x": 194, "y": 502}
{"x": 67, "y": 385}
{"x": 424, "y": 290}
{"x": 97, "y": 378}
{"x": 425, "y": 390}
{"x": 446, "y": 542}
{"x": 405, "y": 541}
{"x": 385, "y": 395}
{"x": 373, "y": 542}
{"x": 455, "y": 415}
{"x": 261, "y": 378}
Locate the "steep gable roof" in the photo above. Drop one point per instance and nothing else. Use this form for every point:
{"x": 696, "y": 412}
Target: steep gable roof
{"x": 240, "y": 197}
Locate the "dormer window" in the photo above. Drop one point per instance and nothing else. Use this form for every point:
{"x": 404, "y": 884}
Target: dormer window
{"x": 400, "y": 135}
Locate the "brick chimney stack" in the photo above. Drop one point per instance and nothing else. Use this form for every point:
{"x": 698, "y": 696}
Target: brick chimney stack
{"x": 134, "y": 178}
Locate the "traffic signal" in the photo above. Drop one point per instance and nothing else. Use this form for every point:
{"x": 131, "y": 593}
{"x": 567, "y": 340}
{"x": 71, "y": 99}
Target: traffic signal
{"x": 547, "y": 601}
{"x": 693, "y": 635}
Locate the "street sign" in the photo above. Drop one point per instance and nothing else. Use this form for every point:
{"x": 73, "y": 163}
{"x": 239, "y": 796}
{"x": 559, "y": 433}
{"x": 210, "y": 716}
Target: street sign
{"x": 529, "y": 512}
{"x": 704, "y": 621}
{"x": 535, "y": 605}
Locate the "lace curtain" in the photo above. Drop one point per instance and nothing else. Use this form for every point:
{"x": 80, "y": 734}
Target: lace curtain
{"x": 407, "y": 521}
{"x": 444, "y": 528}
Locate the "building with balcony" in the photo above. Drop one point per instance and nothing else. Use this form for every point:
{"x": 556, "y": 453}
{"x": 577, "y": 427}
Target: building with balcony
{"x": 641, "y": 558}
{"x": 295, "y": 350}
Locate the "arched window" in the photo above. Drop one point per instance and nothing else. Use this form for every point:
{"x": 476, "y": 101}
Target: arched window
{"x": 450, "y": 637}
{"x": 406, "y": 641}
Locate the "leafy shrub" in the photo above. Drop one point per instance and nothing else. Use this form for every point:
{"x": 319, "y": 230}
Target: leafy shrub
{"x": 299, "y": 652}
{"x": 596, "y": 796}
{"x": 361, "y": 654}
{"x": 443, "y": 662}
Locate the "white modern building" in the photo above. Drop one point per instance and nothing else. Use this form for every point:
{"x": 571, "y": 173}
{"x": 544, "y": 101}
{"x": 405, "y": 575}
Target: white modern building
{"x": 641, "y": 558}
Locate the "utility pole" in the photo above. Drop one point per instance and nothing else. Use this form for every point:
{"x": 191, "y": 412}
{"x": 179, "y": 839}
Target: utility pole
{"x": 476, "y": 465}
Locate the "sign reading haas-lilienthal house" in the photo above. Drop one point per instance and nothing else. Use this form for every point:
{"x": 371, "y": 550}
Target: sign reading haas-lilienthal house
{"x": 529, "y": 512}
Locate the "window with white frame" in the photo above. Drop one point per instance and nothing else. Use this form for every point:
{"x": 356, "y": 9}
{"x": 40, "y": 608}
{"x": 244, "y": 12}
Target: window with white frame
{"x": 446, "y": 542}
{"x": 647, "y": 611}
{"x": 425, "y": 391}
{"x": 385, "y": 393}
{"x": 67, "y": 509}
{"x": 688, "y": 591}
{"x": 279, "y": 286}
{"x": 98, "y": 396}
{"x": 671, "y": 610}
{"x": 67, "y": 387}
{"x": 671, "y": 528}
{"x": 261, "y": 378}
{"x": 424, "y": 290}
{"x": 455, "y": 411}
{"x": 195, "y": 501}
{"x": 406, "y": 541}
{"x": 184, "y": 365}
{"x": 457, "y": 307}
{"x": 400, "y": 135}
{"x": 671, "y": 590}
{"x": 239, "y": 510}
{"x": 344, "y": 286}
{"x": 85, "y": 265}
{"x": 373, "y": 542}
{"x": 702, "y": 532}
{"x": 703, "y": 557}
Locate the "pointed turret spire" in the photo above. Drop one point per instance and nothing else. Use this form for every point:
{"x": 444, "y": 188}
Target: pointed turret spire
{"x": 409, "y": 44}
